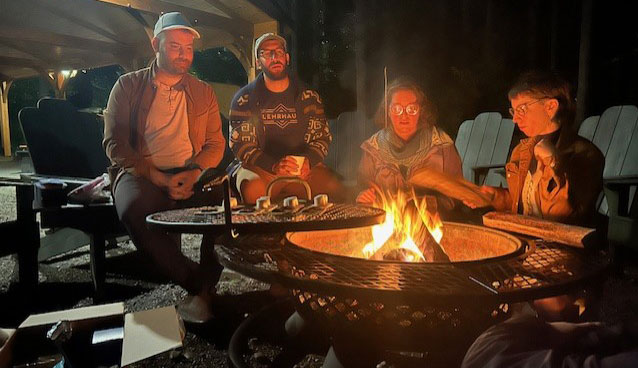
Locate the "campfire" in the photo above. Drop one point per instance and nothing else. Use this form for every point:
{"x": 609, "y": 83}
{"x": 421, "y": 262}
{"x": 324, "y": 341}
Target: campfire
{"x": 410, "y": 233}
{"x": 383, "y": 282}
{"x": 413, "y": 233}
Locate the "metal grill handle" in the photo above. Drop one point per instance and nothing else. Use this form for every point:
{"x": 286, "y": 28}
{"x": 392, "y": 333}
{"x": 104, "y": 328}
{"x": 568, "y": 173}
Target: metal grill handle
{"x": 290, "y": 179}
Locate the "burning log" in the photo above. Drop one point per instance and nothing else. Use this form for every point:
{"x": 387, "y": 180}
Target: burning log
{"x": 421, "y": 238}
{"x": 432, "y": 251}
{"x": 574, "y": 236}
{"x": 386, "y": 251}
{"x": 402, "y": 254}
{"x": 427, "y": 211}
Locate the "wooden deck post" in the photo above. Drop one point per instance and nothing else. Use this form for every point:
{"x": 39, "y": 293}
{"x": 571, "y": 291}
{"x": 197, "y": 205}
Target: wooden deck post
{"x": 4, "y": 117}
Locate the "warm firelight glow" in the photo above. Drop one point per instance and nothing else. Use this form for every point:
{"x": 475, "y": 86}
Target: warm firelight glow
{"x": 380, "y": 234}
{"x": 402, "y": 226}
{"x": 432, "y": 223}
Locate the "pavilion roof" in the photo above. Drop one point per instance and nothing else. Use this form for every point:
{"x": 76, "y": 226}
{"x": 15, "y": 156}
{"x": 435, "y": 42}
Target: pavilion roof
{"x": 44, "y": 36}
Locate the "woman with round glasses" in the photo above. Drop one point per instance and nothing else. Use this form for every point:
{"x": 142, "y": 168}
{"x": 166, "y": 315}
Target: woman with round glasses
{"x": 554, "y": 173}
{"x": 557, "y": 175}
{"x": 410, "y": 141}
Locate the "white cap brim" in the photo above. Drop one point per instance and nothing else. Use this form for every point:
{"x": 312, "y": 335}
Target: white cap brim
{"x": 192, "y": 30}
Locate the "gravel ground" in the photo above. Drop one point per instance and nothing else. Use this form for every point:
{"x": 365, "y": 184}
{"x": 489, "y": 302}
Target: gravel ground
{"x": 65, "y": 282}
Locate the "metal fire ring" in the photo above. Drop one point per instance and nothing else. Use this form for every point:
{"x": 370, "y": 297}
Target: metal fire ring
{"x": 544, "y": 269}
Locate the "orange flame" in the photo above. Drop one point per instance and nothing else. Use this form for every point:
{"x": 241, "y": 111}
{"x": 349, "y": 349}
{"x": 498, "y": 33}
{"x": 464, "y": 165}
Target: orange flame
{"x": 400, "y": 228}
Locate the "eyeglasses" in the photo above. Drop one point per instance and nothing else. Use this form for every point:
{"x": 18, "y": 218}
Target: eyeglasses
{"x": 411, "y": 109}
{"x": 271, "y": 54}
{"x": 521, "y": 109}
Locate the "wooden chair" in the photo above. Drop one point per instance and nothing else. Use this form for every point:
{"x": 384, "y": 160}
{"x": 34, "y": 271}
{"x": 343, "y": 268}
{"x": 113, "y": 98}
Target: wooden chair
{"x": 615, "y": 133}
{"x": 484, "y": 144}
{"x": 349, "y": 130}
{"x": 67, "y": 144}
{"x": 63, "y": 141}
{"x": 588, "y": 127}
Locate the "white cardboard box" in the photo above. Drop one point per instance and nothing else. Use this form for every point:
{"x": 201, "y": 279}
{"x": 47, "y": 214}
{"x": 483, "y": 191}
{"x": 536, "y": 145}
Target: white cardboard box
{"x": 146, "y": 333}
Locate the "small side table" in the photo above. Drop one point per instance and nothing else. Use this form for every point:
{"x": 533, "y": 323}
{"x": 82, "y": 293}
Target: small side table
{"x": 99, "y": 220}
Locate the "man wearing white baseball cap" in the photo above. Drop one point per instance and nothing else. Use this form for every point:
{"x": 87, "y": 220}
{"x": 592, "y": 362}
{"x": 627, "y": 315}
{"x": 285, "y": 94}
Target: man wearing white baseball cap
{"x": 161, "y": 129}
{"x": 278, "y": 128}
{"x": 173, "y": 20}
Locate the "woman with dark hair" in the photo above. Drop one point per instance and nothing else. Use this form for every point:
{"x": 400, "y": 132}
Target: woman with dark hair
{"x": 410, "y": 141}
{"x": 554, "y": 173}
{"x": 557, "y": 175}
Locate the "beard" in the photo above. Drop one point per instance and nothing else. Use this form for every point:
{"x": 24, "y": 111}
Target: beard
{"x": 180, "y": 66}
{"x": 175, "y": 66}
{"x": 283, "y": 74}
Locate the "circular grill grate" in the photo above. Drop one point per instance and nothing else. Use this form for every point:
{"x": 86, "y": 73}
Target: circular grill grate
{"x": 545, "y": 269}
{"x": 246, "y": 220}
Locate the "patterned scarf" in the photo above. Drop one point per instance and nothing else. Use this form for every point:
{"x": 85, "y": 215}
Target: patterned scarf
{"x": 397, "y": 151}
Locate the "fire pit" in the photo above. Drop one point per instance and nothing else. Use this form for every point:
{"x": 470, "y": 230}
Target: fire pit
{"x": 423, "y": 324}
{"x": 348, "y": 292}
{"x": 542, "y": 270}
{"x": 403, "y": 303}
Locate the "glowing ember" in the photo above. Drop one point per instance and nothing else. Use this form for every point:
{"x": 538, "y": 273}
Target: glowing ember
{"x": 406, "y": 220}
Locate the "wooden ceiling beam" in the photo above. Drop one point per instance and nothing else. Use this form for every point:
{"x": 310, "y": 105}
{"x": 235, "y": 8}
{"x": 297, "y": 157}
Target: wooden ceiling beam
{"x": 27, "y": 63}
{"x": 25, "y": 50}
{"x": 235, "y": 26}
{"x": 219, "y": 5}
{"x": 20, "y": 34}
{"x": 5, "y": 78}
{"x": 38, "y": 66}
{"x": 78, "y": 20}
{"x": 138, "y": 18}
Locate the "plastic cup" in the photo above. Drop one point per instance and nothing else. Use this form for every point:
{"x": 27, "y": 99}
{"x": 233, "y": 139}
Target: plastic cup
{"x": 299, "y": 160}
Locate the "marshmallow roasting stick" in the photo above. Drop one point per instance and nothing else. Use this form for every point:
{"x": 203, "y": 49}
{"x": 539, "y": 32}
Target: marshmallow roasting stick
{"x": 385, "y": 96}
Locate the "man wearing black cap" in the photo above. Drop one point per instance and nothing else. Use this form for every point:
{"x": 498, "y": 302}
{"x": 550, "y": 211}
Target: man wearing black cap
{"x": 161, "y": 129}
{"x": 279, "y": 129}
